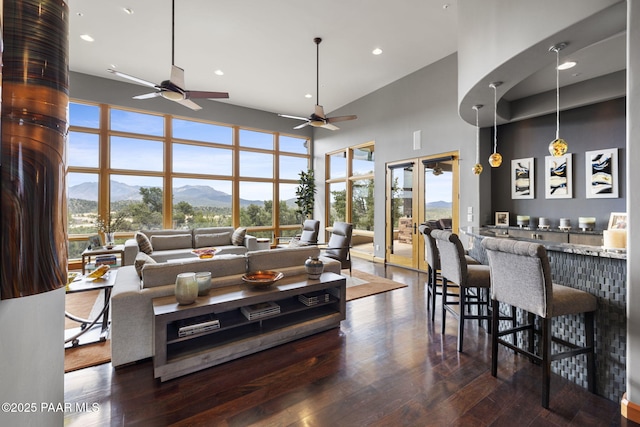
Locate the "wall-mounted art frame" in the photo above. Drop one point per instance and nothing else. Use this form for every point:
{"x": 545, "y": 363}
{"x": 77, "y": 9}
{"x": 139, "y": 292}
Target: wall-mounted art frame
{"x": 502, "y": 219}
{"x": 523, "y": 178}
{"x": 558, "y": 173}
{"x": 601, "y": 172}
{"x": 617, "y": 221}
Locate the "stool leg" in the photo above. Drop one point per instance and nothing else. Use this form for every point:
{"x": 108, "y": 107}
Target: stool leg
{"x": 591, "y": 360}
{"x": 494, "y": 336}
{"x": 444, "y": 301}
{"x": 434, "y": 291}
{"x": 462, "y": 316}
{"x": 546, "y": 361}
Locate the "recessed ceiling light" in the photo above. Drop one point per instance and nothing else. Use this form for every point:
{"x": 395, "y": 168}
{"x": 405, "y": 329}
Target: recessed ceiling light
{"x": 446, "y": 6}
{"x": 377, "y": 51}
{"x": 219, "y": 73}
{"x": 79, "y": 14}
{"x": 128, "y": 10}
{"x": 308, "y": 95}
{"x": 86, "y": 37}
{"x": 567, "y": 65}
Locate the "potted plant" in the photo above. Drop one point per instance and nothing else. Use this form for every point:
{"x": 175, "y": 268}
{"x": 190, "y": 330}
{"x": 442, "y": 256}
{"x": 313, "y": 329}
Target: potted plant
{"x": 306, "y": 194}
{"x": 109, "y": 226}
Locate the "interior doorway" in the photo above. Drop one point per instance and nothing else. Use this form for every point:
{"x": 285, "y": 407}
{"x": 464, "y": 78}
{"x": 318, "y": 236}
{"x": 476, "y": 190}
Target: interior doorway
{"x": 419, "y": 190}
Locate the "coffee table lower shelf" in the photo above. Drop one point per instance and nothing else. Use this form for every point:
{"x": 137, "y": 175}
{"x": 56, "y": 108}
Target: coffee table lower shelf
{"x": 237, "y": 336}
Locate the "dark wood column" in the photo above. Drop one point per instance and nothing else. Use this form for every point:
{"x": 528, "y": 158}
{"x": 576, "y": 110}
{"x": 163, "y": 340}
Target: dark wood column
{"x": 35, "y": 99}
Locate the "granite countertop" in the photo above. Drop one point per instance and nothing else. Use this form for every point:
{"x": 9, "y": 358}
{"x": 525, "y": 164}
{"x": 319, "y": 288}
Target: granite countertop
{"x": 503, "y": 232}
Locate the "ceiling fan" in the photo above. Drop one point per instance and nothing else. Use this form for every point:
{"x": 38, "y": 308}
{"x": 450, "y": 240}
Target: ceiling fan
{"x": 172, "y": 89}
{"x": 318, "y": 118}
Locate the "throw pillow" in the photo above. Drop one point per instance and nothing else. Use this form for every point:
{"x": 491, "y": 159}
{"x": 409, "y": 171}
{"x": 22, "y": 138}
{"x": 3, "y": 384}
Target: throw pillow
{"x": 238, "y": 236}
{"x": 296, "y": 243}
{"x": 141, "y": 260}
{"x": 144, "y": 244}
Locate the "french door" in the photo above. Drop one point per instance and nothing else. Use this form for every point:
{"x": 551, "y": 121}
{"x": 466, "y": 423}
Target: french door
{"x": 418, "y": 190}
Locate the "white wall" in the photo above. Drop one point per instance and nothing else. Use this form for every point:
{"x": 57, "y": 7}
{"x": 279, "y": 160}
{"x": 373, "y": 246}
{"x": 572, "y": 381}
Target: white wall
{"x": 32, "y": 359}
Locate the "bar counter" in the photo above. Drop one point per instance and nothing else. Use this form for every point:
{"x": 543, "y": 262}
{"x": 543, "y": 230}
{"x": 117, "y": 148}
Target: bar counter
{"x": 598, "y": 271}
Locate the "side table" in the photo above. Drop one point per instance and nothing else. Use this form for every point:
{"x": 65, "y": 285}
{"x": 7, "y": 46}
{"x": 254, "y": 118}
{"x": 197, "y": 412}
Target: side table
{"x": 72, "y": 336}
{"x": 87, "y": 254}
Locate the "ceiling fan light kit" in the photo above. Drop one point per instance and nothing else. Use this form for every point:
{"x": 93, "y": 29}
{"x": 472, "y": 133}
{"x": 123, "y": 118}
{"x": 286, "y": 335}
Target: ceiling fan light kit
{"x": 172, "y": 89}
{"x": 318, "y": 119}
{"x": 558, "y": 147}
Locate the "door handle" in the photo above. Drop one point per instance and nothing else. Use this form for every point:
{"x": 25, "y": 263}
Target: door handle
{"x": 415, "y": 228}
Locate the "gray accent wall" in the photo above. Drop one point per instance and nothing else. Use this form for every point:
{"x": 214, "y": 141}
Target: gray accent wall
{"x": 425, "y": 101}
{"x": 595, "y": 127}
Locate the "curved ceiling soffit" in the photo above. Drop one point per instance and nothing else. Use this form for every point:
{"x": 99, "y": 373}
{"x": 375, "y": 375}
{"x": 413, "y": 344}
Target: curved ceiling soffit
{"x": 610, "y": 23}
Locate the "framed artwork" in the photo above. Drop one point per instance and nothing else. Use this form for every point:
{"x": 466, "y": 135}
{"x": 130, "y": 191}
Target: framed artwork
{"x": 601, "y": 172}
{"x": 502, "y": 219}
{"x": 522, "y": 178}
{"x": 618, "y": 221}
{"x": 557, "y": 179}
{"x": 95, "y": 241}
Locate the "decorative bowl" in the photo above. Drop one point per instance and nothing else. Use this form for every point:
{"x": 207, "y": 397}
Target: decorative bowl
{"x": 204, "y": 253}
{"x": 263, "y": 278}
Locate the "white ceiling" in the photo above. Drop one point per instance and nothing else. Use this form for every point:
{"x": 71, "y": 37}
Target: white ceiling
{"x": 265, "y": 47}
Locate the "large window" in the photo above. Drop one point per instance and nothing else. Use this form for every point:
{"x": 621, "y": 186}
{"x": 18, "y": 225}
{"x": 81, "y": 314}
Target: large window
{"x": 350, "y": 193}
{"x": 146, "y": 170}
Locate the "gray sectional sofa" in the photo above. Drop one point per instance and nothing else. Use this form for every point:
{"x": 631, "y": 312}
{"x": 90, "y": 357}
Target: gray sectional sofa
{"x": 173, "y": 244}
{"x": 131, "y": 307}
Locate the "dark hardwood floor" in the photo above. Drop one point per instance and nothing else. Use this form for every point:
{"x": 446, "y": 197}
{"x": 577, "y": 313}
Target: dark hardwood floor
{"x": 387, "y": 365}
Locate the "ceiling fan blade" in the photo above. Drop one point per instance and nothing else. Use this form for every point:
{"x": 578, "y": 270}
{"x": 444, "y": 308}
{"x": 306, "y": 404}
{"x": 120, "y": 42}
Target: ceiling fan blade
{"x": 302, "y": 125}
{"x": 292, "y": 117}
{"x": 132, "y": 78}
{"x": 148, "y": 95}
{"x": 189, "y": 104}
{"x": 177, "y": 76}
{"x": 329, "y": 126}
{"x": 319, "y": 111}
{"x": 340, "y": 119}
{"x": 209, "y": 95}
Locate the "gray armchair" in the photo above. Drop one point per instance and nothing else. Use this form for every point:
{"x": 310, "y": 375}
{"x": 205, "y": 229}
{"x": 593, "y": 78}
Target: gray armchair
{"x": 339, "y": 245}
{"x": 308, "y": 235}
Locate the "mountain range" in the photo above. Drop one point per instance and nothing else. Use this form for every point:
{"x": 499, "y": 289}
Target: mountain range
{"x": 195, "y": 195}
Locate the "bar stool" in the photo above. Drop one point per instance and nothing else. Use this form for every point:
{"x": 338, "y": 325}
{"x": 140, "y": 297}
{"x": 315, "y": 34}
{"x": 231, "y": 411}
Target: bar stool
{"x": 521, "y": 277}
{"x": 434, "y": 279}
{"x": 454, "y": 268}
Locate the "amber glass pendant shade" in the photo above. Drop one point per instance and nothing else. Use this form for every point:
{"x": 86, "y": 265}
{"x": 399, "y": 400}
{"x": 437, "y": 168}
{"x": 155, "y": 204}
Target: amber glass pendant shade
{"x": 558, "y": 147}
{"x": 477, "y": 169}
{"x": 495, "y": 160}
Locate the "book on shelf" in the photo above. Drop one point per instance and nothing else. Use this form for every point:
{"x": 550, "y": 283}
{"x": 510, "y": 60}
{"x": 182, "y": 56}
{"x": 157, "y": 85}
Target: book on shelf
{"x": 106, "y": 260}
{"x": 197, "y": 325}
{"x": 314, "y": 298}
{"x": 263, "y": 309}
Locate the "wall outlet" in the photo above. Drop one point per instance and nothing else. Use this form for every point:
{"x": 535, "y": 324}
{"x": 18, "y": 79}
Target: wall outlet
{"x": 377, "y": 248}
{"x": 470, "y": 218}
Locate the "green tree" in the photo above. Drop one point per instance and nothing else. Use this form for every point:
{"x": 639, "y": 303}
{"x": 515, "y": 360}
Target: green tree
{"x": 152, "y": 197}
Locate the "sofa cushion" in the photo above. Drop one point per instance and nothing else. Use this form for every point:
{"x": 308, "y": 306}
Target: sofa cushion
{"x": 212, "y": 239}
{"x": 154, "y": 275}
{"x": 238, "y": 236}
{"x": 144, "y": 244}
{"x": 142, "y": 259}
{"x": 177, "y": 241}
{"x": 279, "y": 258}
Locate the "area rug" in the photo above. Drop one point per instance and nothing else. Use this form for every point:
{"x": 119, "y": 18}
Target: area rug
{"x": 85, "y": 305}
{"x": 363, "y": 284}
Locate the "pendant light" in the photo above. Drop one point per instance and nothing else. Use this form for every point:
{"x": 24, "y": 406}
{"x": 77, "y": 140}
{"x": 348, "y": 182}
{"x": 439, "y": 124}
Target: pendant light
{"x": 495, "y": 160}
{"x": 477, "y": 168}
{"x": 558, "y": 147}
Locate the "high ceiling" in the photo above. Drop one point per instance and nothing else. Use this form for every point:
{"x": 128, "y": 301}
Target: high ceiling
{"x": 265, "y": 48}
